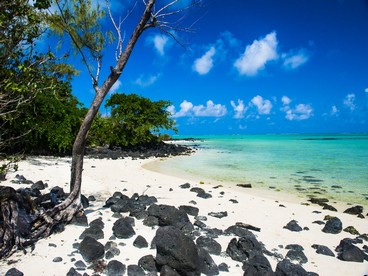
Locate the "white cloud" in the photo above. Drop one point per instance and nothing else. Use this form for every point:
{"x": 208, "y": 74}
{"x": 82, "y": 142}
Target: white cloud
{"x": 349, "y": 101}
{"x": 187, "y": 109}
{"x": 210, "y": 110}
{"x": 300, "y": 112}
{"x": 257, "y": 55}
{"x": 293, "y": 61}
{"x": 239, "y": 109}
{"x": 204, "y": 64}
{"x": 285, "y": 100}
{"x": 263, "y": 106}
{"x": 366, "y": 90}
{"x": 160, "y": 42}
{"x": 115, "y": 87}
{"x": 334, "y": 111}
{"x": 147, "y": 81}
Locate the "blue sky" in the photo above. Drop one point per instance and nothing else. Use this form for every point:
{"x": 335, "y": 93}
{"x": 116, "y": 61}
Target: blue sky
{"x": 253, "y": 66}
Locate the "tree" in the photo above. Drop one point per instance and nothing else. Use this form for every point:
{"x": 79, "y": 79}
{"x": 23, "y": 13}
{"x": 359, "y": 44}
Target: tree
{"x": 134, "y": 121}
{"x": 79, "y": 21}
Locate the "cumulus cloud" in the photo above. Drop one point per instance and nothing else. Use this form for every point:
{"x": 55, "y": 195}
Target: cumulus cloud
{"x": 257, "y": 55}
{"x": 294, "y": 60}
{"x": 160, "y": 43}
{"x": 298, "y": 113}
{"x": 263, "y": 106}
{"x": 239, "y": 109}
{"x": 285, "y": 100}
{"x": 187, "y": 109}
{"x": 349, "y": 101}
{"x": 147, "y": 81}
{"x": 334, "y": 110}
{"x": 204, "y": 64}
{"x": 366, "y": 90}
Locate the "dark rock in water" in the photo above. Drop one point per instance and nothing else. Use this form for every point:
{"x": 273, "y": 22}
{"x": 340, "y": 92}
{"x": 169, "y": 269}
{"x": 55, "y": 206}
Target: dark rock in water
{"x": 244, "y": 248}
{"x": 323, "y": 250}
{"x": 223, "y": 267}
{"x": 73, "y": 272}
{"x": 293, "y": 226}
{"x": 135, "y": 270}
{"x": 218, "y": 214}
{"x": 57, "y": 259}
{"x": 333, "y": 226}
{"x": 91, "y": 250}
{"x": 185, "y": 186}
{"x": 206, "y": 263}
{"x": 190, "y": 210}
{"x": 286, "y": 268}
{"x": 295, "y": 247}
{"x": 140, "y": 242}
{"x": 169, "y": 215}
{"x": 356, "y": 210}
{"x": 319, "y": 201}
{"x": 297, "y": 255}
{"x": 176, "y": 250}
{"x": 168, "y": 271}
{"x": 123, "y": 229}
{"x": 347, "y": 251}
{"x": 257, "y": 265}
{"x": 148, "y": 263}
{"x": 80, "y": 219}
{"x": 115, "y": 268}
{"x": 244, "y": 185}
{"x": 212, "y": 246}
{"x": 351, "y": 230}
{"x": 93, "y": 232}
{"x": 14, "y": 272}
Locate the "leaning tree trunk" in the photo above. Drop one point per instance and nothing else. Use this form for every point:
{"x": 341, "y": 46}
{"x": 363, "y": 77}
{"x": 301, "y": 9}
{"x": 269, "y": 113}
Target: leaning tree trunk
{"x": 36, "y": 224}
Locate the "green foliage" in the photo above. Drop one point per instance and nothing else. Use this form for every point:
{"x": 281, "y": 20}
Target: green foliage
{"x": 134, "y": 120}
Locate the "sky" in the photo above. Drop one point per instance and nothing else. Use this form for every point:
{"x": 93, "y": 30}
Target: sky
{"x": 251, "y": 67}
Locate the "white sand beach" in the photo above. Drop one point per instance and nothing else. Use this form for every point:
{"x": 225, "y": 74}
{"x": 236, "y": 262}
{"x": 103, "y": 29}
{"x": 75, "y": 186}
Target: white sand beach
{"x": 103, "y": 177}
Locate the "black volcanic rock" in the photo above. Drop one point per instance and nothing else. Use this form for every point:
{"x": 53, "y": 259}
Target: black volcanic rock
{"x": 323, "y": 250}
{"x": 14, "y": 272}
{"x": 140, "y": 242}
{"x": 218, "y": 214}
{"x": 212, "y": 246}
{"x": 244, "y": 248}
{"x": 257, "y": 265}
{"x": 115, "y": 268}
{"x": 91, "y": 250}
{"x": 177, "y": 251}
{"x": 333, "y": 226}
{"x": 206, "y": 264}
{"x": 148, "y": 263}
{"x": 123, "y": 229}
{"x": 190, "y": 210}
{"x": 347, "y": 251}
{"x": 356, "y": 210}
{"x": 293, "y": 226}
{"x": 286, "y": 268}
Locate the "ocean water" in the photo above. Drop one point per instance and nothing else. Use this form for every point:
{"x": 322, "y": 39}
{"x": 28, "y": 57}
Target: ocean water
{"x": 333, "y": 166}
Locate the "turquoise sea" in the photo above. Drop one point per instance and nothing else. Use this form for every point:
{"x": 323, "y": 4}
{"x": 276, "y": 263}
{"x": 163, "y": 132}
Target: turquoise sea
{"x": 334, "y": 166}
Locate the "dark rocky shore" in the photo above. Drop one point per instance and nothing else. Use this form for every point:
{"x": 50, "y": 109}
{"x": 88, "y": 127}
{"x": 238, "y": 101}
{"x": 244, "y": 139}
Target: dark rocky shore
{"x": 183, "y": 243}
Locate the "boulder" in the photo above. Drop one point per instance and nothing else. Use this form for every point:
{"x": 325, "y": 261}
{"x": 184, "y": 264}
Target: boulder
{"x": 14, "y": 272}
{"x": 212, "y": 246}
{"x": 170, "y": 216}
{"x": 190, "y": 210}
{"x": 237, "y": 231}
{"x": 97, "y": 223}
{"x": 333, "y": 226}
{"x": 73, "y": 272}
{"x": 206, "y": 264}
{"x": 295, "y": 247}
{"x": 297, "y": 255}
{"x": 223, "y": 267}
{"x": 293, "y": 226}
{"x": 347, "y": 251}
{"x": 148, "y": 263}
{"x": 39, "y": 185}
{"x": 115, "y": 268}
{"x": 123, "y": 229}
{"x": 150, "y": 221}
{"x": 140, "y": 242}
{"x": 323, "y": 250}
{"x": 356, "y": 210}
{"x": 168, "y": 271}
{"x": 91, "y": 250}
{"x": 185, "y": 186}
{"x": 218, "y": 214}
{"x": 286, "y": 268}
{"x": 244, "y": 248}
{"x": 135, "y": 270}
{"x": 94, "y": 232}
{"x": 176, "y": 250}
{"x": 257, "y": 265}
{"x": 80, "y": 219}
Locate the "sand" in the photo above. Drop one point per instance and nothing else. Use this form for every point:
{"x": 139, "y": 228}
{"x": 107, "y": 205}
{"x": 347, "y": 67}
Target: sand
{"x": 101, "y": 178}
